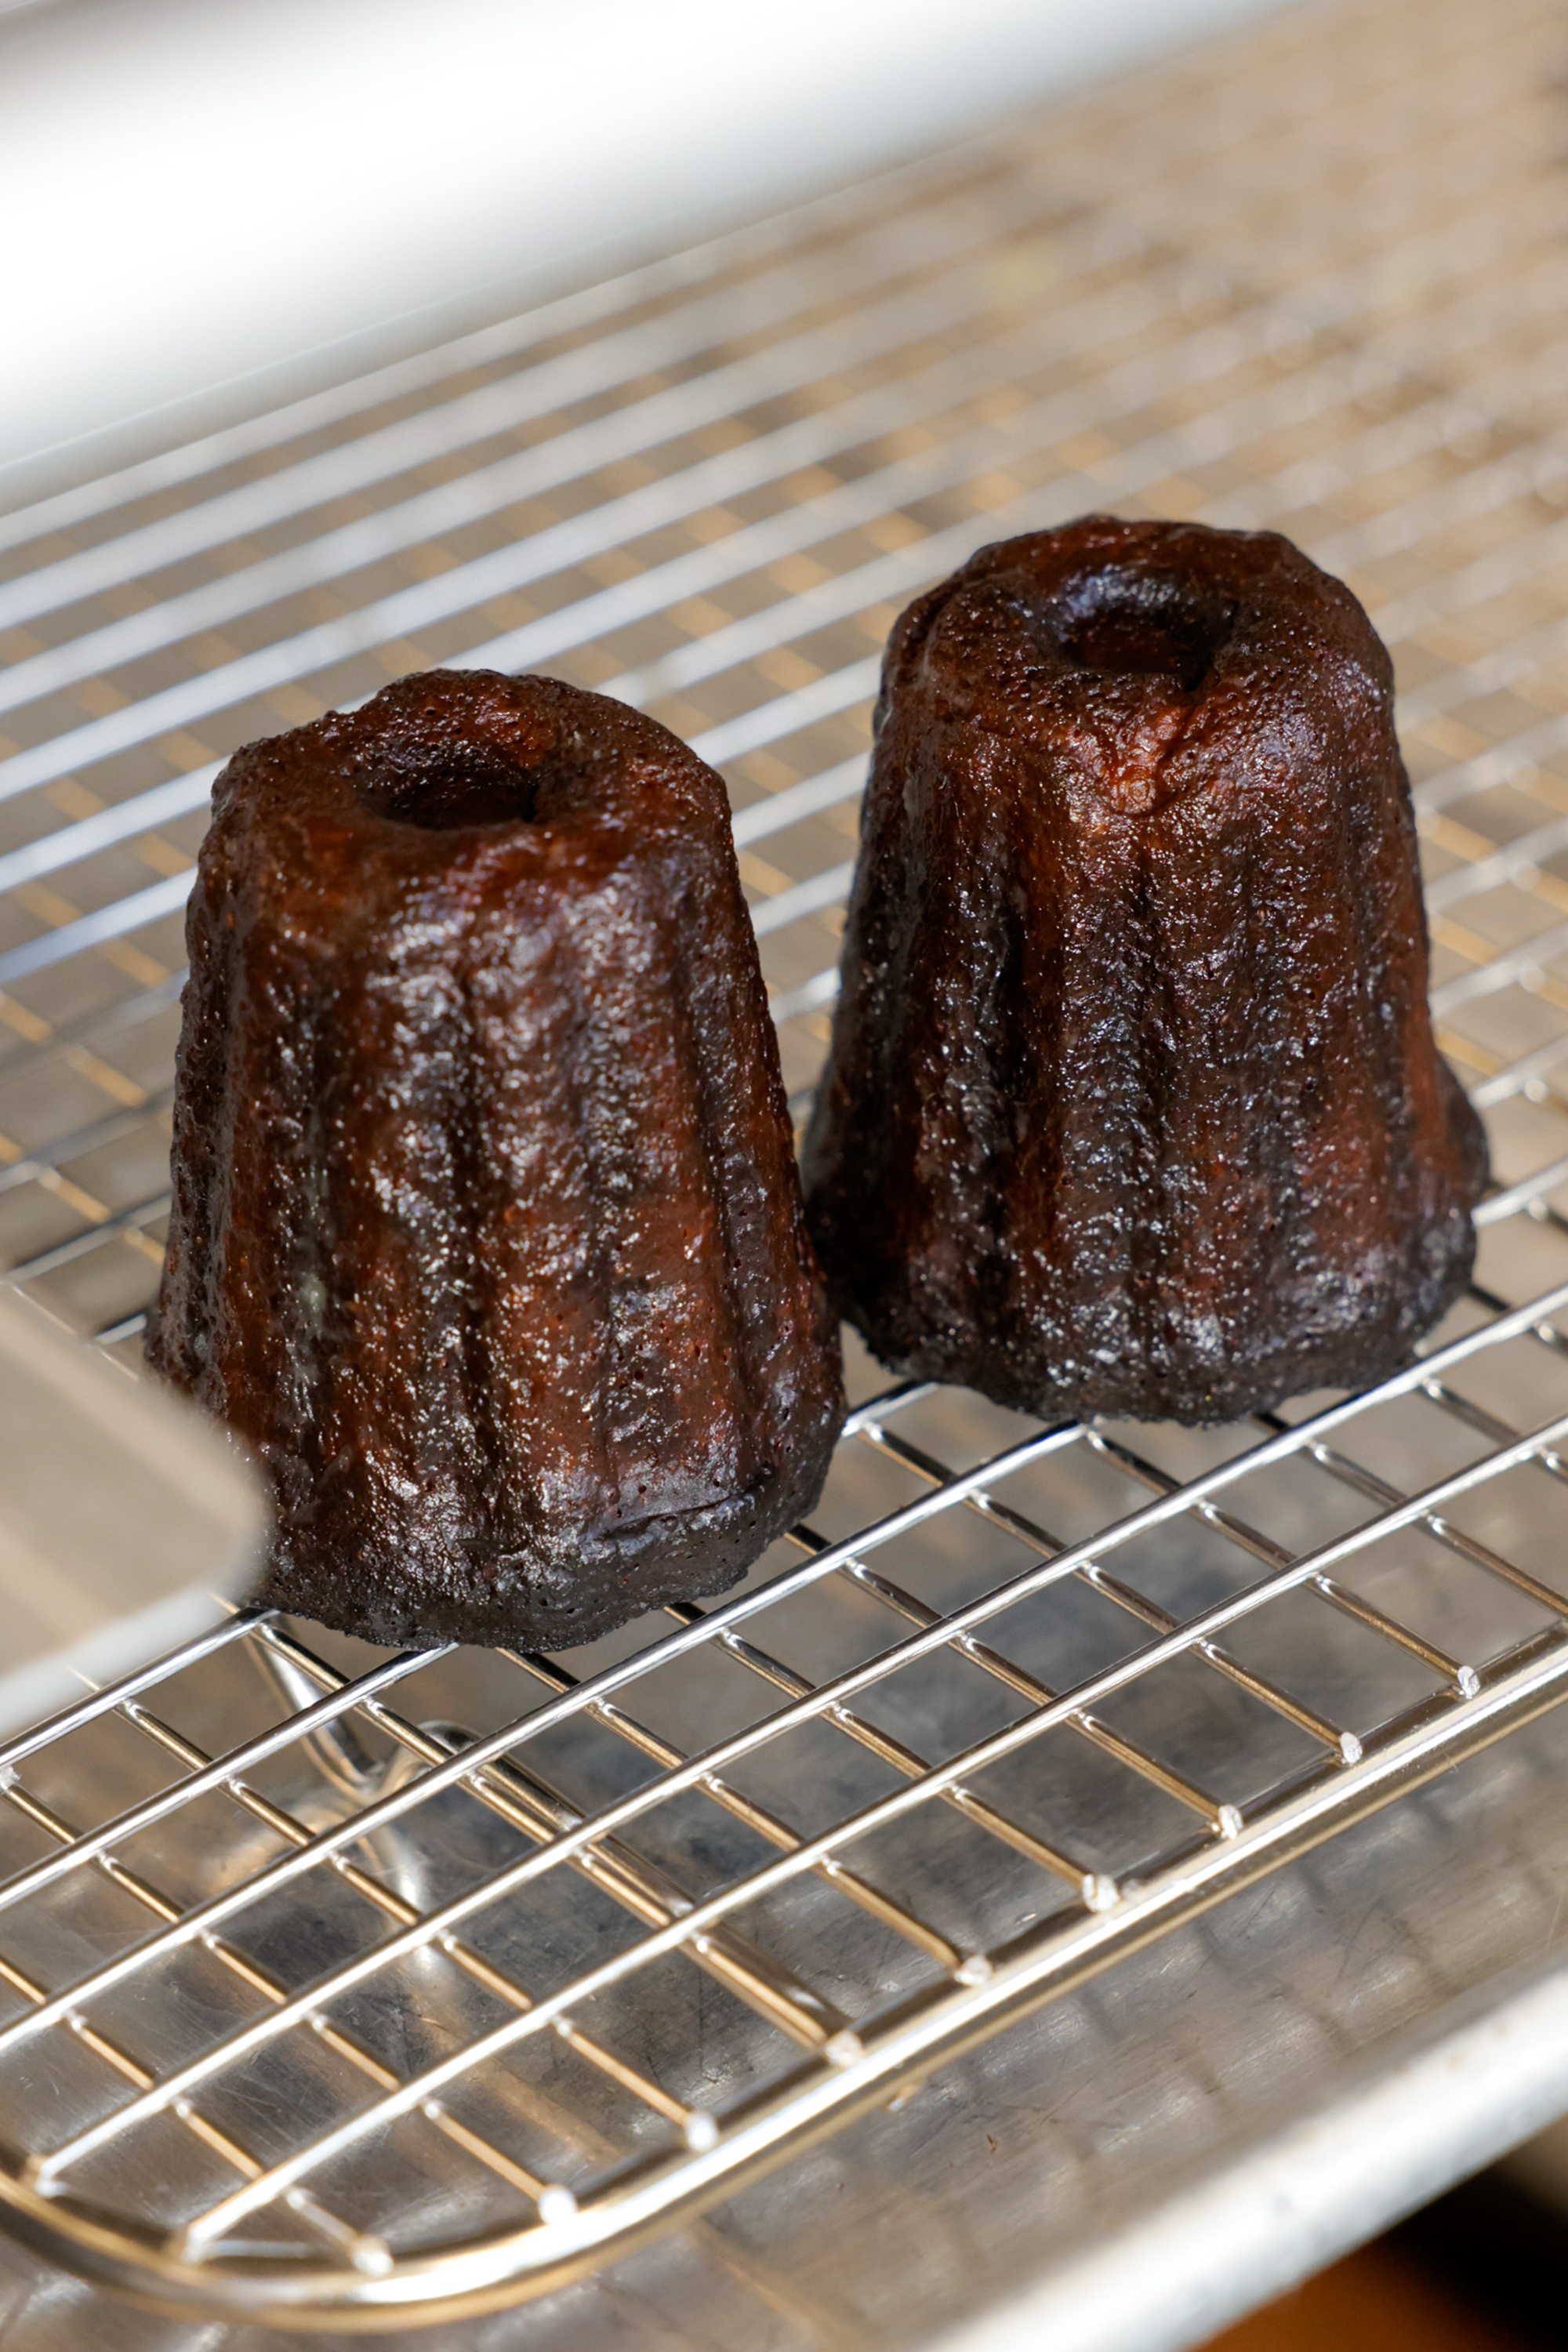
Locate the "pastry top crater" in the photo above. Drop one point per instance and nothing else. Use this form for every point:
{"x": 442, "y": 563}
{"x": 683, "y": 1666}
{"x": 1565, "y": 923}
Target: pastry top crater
{"x": 1143, "y": 660}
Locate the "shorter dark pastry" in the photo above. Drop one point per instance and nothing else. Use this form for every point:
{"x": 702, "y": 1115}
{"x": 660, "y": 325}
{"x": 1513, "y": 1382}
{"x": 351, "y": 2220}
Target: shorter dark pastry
{"x": 1133, "y": 1105}
{"x": 487, "y": 1231}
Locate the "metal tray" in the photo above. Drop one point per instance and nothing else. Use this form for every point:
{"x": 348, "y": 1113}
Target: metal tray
{"x": 345, "y": 1990}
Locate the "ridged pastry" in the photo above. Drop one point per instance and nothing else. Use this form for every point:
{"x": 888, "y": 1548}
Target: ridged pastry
{"x": 486, "y": 1230}
{"x": 1132, "y": 1105}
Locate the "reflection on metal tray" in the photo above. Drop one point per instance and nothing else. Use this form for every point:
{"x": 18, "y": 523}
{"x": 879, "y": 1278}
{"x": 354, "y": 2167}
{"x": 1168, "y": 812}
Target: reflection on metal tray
{"x": 339, "y": 1988}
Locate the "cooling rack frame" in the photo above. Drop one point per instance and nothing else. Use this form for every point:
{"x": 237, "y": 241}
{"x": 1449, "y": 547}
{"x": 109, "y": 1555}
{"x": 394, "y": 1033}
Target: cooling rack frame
{"x": 464, "y": 2282}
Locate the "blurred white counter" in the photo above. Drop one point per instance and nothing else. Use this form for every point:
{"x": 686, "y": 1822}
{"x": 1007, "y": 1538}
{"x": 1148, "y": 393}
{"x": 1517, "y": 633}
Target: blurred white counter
{"x": 195, "y": 192}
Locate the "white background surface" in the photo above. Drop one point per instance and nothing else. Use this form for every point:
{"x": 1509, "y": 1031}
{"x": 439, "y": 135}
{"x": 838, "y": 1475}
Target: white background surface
{"x": 195, "y": 191}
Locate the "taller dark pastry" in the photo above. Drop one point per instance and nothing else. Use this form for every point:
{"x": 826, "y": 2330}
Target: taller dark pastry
{"x": 1133, "y": 1105}
{"x": 487, "y": 1229}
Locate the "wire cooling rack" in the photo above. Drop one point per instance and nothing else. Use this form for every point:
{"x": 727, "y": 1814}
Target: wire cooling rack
{"x": 341, "y": 1989}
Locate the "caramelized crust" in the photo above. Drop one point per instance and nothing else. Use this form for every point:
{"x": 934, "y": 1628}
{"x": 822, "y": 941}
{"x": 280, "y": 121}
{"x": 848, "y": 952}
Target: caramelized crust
{"x": 486, "y": 1230}
{"x": 1133, "y": 1105}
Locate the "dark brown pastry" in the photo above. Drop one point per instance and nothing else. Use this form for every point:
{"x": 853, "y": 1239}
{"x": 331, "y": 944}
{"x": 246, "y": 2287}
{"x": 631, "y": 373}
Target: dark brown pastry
{"x": 486, "y": 1230}
{"x": 1133, "y": 1105}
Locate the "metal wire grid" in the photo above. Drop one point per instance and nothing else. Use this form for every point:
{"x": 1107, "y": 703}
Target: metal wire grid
{"x": 344, "y": 1985}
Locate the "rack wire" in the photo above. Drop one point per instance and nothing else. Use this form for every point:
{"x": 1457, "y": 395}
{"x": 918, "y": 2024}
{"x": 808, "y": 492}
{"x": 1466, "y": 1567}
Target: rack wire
{"x": 339, "y": 1988}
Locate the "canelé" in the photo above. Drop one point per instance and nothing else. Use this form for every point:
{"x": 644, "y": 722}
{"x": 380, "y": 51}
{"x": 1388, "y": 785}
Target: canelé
{"x": 487, "y": 1231}
{"x": 1132, "y": 1105}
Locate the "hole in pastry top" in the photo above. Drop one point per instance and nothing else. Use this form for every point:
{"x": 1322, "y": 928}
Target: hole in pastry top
{"x": 1124, "y": 637}
{"x": 441, "y": 785}
{"x": 1137, "y": 624}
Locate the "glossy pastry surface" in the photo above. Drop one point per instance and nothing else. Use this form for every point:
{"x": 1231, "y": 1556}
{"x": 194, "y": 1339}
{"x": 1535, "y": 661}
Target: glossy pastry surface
{"x": 1133, "y": 1103}
{"x": 487, "y": 1229}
